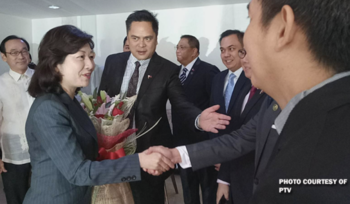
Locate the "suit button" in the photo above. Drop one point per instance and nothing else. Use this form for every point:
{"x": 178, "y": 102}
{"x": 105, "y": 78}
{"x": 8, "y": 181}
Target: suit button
{"x": 123, "y": 179}
{"x": 129, "y": 178}
{"x": 256, "y": 181}
{"x": 133, "y": 177}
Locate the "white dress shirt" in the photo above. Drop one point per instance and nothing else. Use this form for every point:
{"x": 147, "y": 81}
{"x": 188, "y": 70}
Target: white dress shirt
{"x": 237, "y": 73}
{"x": 188, "y": 67}
{"x": 130, "y": 68}
{"x": 15, "y": 103}
{"x": 245, "y": 101}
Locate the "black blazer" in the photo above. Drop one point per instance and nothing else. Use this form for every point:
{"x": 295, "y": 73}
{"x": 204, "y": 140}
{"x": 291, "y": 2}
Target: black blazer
{"x": 197, "y": 89}
{"x": 240, "y": 90}
{"x": 314, "y": 143}
{"x": 151, "y": 101}
{"x": 240, "y": 172}
{"x": 239, "y": 143}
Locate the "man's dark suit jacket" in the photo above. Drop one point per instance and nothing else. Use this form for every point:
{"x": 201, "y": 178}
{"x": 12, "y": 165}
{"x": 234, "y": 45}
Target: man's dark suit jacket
{"x": 314, "y": 143}
{"x": 240, "y": 172}
{"x": 197, "y": 87}
{"x": 62, "y": 146}
{"x": 240, "y": 90}
{"x": 160, "y": 83}
{"x": 249, "y": 137}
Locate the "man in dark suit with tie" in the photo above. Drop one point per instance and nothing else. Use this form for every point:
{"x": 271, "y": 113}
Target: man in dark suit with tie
{"x": 230, "y": 89}
{"x": 238, "y": 174}
{"x": 196, "y": 77}
{"x": 154, "y": 80}
{"x": 230, "y": 86}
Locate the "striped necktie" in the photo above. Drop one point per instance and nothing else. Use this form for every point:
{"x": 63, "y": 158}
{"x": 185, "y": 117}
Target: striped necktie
{"x": 183, "y": 76}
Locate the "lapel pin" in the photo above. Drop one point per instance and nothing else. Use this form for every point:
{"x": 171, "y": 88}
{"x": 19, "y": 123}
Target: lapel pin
{"x": 275, "y": 107}
{"x": 149, "y": 76}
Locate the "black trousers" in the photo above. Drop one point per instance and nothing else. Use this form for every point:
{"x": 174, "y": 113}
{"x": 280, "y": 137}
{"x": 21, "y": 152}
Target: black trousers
{"x": 16, "y": 182}
{"x": 150, "y": 190}
{"x": 206, "y": 178}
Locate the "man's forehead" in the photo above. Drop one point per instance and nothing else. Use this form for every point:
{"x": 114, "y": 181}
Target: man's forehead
{"x": 228, "y": 41}
{"x": 15, "y": 43}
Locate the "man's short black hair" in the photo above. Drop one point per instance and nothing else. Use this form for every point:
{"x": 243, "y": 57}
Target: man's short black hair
{"x": 125, "y": 40}
{"x": 143, "y": 15}
{"x": 11, "y": 37}
{"x": 238, "y": 33}
{"x": 326, "y": 24}
{"x": 192, "y": 41}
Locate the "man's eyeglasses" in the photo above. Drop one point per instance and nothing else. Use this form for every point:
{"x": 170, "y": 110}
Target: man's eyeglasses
{"x": 242, "y": 53}
{"x": 180, "y": 47}
{"x": 16, "y": 53}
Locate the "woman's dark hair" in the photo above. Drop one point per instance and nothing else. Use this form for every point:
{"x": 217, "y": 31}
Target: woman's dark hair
{"x": 53, "y": 50}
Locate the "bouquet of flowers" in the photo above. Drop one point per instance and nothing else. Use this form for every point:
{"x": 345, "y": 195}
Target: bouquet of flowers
{"x": 115, "y": 139}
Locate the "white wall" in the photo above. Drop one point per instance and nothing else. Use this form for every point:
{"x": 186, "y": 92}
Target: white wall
{"x": 206, "y": 23}
{"x": 11, "y": 25}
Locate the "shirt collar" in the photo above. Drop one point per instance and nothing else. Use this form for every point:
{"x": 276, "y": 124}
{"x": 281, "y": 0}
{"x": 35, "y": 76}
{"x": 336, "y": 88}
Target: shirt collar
{"x": 283, "y": 116}
{"x": 237, "y": 72}
{"x": 190, "y": 65}
{"x": 17, "y": 76}
{"x": 142, "y": 62}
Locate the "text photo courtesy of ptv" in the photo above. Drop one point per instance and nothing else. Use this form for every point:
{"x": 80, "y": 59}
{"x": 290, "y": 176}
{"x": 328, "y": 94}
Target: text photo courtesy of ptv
{"x": 309, "y": 182}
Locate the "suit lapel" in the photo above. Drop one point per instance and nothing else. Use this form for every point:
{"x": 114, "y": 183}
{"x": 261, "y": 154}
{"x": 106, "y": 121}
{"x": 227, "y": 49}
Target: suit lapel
{"x": 269, "y": 119}
{"x": 219, "y": 94}
{"x": 251, "y": 103}
{"x": 150, "y": 75}
{"x": 241, "y": 82}
{"x": 79, "y": 115}
{"x": 192, "y": 72}
{"x": 120, "y": 71}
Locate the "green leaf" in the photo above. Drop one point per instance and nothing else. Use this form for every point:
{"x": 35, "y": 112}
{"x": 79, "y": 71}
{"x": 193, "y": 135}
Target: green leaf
{"x": 86, "y": 100}
{"x": 103, "y": 95}
{"x": 94, "y": 95}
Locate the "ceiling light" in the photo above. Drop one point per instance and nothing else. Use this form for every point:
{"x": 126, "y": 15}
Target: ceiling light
{"x": 54, "y": 7}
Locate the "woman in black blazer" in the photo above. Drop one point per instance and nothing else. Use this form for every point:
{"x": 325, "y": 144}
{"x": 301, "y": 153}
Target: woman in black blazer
{"x": 62, "y": 140}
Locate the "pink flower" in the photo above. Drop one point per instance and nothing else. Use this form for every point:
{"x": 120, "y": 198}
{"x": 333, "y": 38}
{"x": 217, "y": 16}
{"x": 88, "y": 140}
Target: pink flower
{"x": 102, "y": 110}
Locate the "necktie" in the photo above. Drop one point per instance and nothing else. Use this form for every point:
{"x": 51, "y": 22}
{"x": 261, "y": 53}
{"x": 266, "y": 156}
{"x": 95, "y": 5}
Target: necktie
{"x": 229, "y": 90}
{"x": 133, "y": 81}
{"x": 252, "y": 92}
{"x": 183, "y": 75}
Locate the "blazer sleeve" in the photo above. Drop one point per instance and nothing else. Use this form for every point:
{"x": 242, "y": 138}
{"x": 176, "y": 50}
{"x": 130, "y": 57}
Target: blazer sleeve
{"x": 186, "y": 110}
{"x": 53, "y": 129}
{"x": 224, "y": 148}
{"x": 224, "y": 172}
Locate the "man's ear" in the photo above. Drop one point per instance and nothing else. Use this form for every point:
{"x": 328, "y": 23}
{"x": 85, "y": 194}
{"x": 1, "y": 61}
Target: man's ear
{"x": 57, "y": 68}
{"x": 287, "y": 27}
{"x": 3, "y": 57}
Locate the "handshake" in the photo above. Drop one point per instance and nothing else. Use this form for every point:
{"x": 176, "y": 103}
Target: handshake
{"x": 158, "y": 159}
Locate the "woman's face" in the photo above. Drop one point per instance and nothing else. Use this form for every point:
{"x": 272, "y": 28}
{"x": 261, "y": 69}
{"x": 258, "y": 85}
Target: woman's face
{"x": 77, "y": 68}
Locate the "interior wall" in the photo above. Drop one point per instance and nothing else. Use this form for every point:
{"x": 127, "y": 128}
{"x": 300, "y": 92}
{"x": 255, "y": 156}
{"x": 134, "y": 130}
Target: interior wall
{"x": 11, "y": 25}
{"x": 206, "y": 23}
